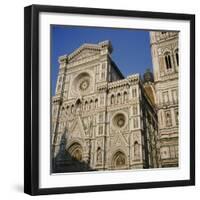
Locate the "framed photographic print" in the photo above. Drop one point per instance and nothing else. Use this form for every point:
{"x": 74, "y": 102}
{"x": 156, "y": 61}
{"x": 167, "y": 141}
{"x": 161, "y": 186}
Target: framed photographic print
{"x": 109, "y": 100}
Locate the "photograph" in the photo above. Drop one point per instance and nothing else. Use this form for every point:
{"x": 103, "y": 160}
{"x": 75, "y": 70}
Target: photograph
{"x": 114, "y": 99}
{"x": 107, "y": 105}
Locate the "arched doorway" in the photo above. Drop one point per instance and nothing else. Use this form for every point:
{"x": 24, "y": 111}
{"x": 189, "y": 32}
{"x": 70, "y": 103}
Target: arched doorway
{"x": 119, "y": 160}
{"x": 76, "y": 152}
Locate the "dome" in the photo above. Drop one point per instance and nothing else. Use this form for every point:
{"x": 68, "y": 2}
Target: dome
{"x": 148, "y": 76}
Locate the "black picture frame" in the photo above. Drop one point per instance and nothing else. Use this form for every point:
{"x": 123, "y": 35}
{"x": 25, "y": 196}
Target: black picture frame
{"x": 31, "y": 98}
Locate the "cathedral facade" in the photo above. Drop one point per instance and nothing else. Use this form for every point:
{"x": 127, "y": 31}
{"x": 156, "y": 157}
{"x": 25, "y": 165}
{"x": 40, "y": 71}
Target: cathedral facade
{"x": 104, "y": 121}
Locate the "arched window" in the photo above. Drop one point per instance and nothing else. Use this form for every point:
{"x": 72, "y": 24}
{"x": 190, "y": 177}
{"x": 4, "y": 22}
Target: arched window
{"x": 177, "y": 57}
{"x": 136, "y": 151}
{"x": 168, "y": 62}
{"x": 125, "y": 97}
{"x": 168, "y": 118}
{"x": 72, "y": 109}
{"x": 112, "y": 99}
{"x": 118, "y": 98}
{"x": 78, "y": 105}
{"x": 67, "y": 109}
{"x": 91, "y": 104}
{"x": 119, "y": 160}
{"x": 96, "y": 103}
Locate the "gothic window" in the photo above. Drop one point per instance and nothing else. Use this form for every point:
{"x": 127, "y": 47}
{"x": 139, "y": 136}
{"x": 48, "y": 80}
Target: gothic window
{"x": 78, "y": 105}
{"x": 118, "y": 98}
{"x": 177, "y": 57}
{"x": 119, "y": 160}
{"x": 136, "y": 151}
{"x": 67, "y": 109}
{"x": 112, "y": 99}
{"x": 72, "y": 109}
{"x": 168, "y": 62}
{"x": 99, "y": 156}
{"x": 125, "y": 97}
{"x": 91, "y": 104}
{"x": 168, "y": 119}
{"x": 96, "y": 103}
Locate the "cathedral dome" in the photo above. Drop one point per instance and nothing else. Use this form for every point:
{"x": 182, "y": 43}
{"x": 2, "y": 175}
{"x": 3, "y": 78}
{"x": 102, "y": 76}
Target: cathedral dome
{"x": 148, "y": 76}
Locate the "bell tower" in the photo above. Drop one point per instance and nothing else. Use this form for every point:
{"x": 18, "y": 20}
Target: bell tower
{"x": 165, "y": 59}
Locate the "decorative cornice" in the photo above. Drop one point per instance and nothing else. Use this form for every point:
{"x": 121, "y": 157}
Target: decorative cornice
{"x": 102, "y": 87}
{"x": 118, "y": 83}
{"x": 132, "y": 79}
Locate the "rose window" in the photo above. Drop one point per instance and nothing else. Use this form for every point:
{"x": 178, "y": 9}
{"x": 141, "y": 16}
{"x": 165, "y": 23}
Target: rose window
{"x": 119, "y": 120}
{"x": 84, "y": 85}
{"x": 82, "y": 82}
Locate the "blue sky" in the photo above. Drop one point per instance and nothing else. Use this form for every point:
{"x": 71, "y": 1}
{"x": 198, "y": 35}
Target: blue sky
{"x": 131, "y": 48}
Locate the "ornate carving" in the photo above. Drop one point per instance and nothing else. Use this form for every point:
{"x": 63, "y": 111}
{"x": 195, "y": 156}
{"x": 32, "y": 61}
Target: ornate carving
{"x": 84, "y": 84}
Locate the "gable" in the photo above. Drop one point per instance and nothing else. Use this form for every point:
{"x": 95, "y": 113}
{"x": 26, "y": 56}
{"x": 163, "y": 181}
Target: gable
{"x": 76, "y": 129}
{"x": 83, "y": 53}
{"x": 120, "y": 141}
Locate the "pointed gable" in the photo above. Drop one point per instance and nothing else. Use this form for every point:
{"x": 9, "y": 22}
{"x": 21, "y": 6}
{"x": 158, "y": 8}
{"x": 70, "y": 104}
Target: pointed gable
{"x": 85, "y": 51}
{"x": 77, "y": 129}
{"x": 120, "y": 141}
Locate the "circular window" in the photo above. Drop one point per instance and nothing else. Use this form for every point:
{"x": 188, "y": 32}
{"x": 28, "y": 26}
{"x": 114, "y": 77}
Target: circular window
{"x": 119, "y": 120}
{"x": 82, "y": 82}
